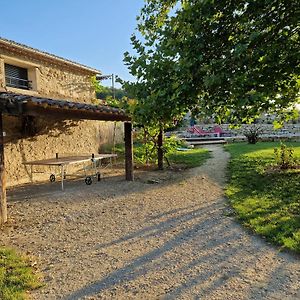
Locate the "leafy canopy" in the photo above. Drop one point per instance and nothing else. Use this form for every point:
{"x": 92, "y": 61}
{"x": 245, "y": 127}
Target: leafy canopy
{"x": 230, "y": 59}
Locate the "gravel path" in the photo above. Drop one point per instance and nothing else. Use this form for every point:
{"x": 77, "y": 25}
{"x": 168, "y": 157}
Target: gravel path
{"x": 174, "y": 239}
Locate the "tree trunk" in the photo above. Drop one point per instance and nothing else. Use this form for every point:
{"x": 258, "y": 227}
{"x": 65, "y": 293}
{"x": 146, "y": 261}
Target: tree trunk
{"x": 147, "y": 150}
{"x": 160, "y": 153}
{"x": 128, "y": 151}
{"x": 3, "y": 205}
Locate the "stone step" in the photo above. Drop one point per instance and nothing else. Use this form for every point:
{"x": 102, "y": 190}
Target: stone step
{"x": 200, "y": 139}
{"x": 207, "y": 142}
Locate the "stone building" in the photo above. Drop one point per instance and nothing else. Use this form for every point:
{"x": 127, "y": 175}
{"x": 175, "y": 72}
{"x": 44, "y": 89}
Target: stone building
{"x": 46, "y": 81}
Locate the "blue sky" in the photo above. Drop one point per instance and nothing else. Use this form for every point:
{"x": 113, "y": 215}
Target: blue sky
{"x": 92, "y": 32}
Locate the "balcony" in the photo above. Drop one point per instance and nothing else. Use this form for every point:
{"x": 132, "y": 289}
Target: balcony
{"x": 18, "y": 83}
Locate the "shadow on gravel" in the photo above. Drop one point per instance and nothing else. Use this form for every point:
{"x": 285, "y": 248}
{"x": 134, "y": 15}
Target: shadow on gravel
{"x": 149, "y": 262}
{"x": 36, "y": 191}
{"x": 219, "y": 256}
{"x": 158, "y": 229}
{"x": 111, "y": 186}
{"x": 199, "y": 252}
{"x": 112, "y": 178}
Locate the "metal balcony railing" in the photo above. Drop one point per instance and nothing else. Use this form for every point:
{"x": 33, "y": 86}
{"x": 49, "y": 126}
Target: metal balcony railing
{"x": 18, "y": 83}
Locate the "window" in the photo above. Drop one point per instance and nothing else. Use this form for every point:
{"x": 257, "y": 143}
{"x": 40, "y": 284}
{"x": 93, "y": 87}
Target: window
{"x": 17, "y": 77}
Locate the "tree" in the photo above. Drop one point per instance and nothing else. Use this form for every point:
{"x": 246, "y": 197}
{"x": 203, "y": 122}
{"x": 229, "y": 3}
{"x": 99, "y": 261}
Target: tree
{"x": 231, "y": 59}
{"x": 106, "y": 92}
{"x": 155, "y": 107}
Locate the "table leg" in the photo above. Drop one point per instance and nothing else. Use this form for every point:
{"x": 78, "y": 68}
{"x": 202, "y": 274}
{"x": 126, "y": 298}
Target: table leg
{"x": 95, "y": 167}
{"x": 62, "y": 177}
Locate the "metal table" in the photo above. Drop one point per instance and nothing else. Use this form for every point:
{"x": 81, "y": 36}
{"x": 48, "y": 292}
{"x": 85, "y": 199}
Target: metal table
{"x": 92, "y": 162}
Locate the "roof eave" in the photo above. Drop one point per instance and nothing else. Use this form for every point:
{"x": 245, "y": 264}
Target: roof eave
{"x": 23, "y": 105}
{"x": 11, "y": 45}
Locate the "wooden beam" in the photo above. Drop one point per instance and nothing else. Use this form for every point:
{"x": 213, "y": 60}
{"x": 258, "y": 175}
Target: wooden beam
{"x": 128, "y": 151}
{"x": 3, "y": 204}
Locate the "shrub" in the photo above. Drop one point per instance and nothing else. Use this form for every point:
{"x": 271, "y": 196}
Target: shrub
{"x": 252, "y": 133}
{"x": 284, "y": 157}
{"x": 146, "y": 146}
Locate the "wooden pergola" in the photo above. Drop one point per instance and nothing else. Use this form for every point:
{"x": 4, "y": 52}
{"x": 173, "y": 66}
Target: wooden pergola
{"x": 23, "y": 105}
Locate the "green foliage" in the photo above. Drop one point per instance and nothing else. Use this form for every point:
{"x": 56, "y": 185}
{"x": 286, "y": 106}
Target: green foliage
{"x": 231, "y": 59}
{"x": 145, "y": 154}
{"x": 97, "y": 86}
{"x": 113, "y": 97}
{"x": 155, "y": 107}
{"x": 185, "y": 159}
{"x": 113, "y": 102}
{"x": 147, "y": 145}
{"x": 266, "y": 202}
{"x": 156, "y": 104}
{"x": 284, "y": 157}
{"x": 16, "y": 276}
{"x": 171, "y": 144}
{"x": 119, "y": 150}
{"x": 146, "y": 150}
{"x": 108, "y": 92}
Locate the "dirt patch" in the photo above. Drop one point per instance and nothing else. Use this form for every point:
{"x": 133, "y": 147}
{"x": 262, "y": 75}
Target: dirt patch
{"x": 171, "y": 238}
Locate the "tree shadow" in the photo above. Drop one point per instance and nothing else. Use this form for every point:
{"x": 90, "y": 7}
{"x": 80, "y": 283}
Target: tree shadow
{"x": 214, "y": 242}
{"x": 146, "y": 263}
{"x": 277, "y": 283}
{"x": 217, "y": 247}
{"x": 220, "y": 270}
{"x": 163, "y": 226}
{"x": 112, "y": 185}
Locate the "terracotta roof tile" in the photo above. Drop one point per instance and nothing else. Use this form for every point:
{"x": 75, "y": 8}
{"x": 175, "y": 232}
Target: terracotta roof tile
{"x": 12, "y": 100}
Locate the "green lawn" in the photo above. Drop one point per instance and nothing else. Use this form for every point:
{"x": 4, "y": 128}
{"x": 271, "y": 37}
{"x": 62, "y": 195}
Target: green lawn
{"x": 268, "y": 202}
{"x": 190, "y": 159}
{"x": 16, "y": 276}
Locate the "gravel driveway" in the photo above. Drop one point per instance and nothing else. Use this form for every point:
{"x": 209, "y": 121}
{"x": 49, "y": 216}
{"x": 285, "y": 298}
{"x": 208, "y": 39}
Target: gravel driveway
{"x": 172, "y": 239}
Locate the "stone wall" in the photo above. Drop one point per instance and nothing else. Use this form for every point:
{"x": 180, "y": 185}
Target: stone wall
{"x": 54, "y": 82}
{"x": 62, "y": 137}
{"x": 266, "y": 129}
{"x": 52, "y": 135}
{"x": 50, "y": 79}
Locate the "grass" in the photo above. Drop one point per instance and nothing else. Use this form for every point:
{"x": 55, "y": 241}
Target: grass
{"x": 16, "y": 276}
{"x": 267, "y": 202}
{"x": 190, "y": 159}
{"x": 187, "y": 159}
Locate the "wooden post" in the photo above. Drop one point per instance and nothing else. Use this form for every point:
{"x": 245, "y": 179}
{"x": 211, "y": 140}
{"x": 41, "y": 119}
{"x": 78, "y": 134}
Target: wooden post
{"x": 3, "y": 204}
{"x": 128, "y": 151}
{"x": 160, "y": 153}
